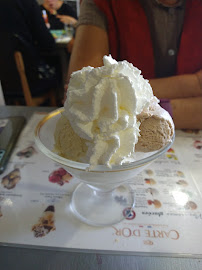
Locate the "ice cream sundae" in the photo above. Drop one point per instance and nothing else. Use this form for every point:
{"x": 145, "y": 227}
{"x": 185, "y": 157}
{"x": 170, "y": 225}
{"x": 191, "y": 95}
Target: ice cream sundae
{"x": 109, "y": 114}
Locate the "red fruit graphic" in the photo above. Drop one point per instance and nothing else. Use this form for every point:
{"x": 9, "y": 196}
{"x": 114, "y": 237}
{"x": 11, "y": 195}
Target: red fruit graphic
{"x": 171, "y": 150}
{"x": 150, "y": 202}
{"x": 54, "y": 178}
{"x": 60, "y": 177}
{"x": 61, "y": 171}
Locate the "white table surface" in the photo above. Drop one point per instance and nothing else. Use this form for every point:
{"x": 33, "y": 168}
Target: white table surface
{"x": 13, "y": 257}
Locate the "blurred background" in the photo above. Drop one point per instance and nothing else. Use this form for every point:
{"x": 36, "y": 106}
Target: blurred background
{"x": 23, "y": 79}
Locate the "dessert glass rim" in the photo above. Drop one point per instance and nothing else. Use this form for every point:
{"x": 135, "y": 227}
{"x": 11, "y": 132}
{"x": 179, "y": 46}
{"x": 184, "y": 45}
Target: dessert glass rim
{"x": 85, "y": 166}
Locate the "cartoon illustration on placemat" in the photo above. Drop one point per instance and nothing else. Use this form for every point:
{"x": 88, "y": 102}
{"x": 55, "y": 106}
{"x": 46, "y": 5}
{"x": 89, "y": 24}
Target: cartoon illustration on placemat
{"x": 27, "y": 152}
{"x": 180, "y": 174}
{"x": 190, "y": 205}
{"x": 182, "y": 183}
{"x": 60, "y": 176}
{"x": 10, "y": 180}
{"x": 149, "y": 172}
{"x": 171, "y": 150}
{"x": 150, "y": 181}
{"x": 152, "y": 191}
{"x": 198, "y": 144}
{"x": 46, "y": 222}
{"x": 156, "y": 203}
{"x": 171, "y": 156}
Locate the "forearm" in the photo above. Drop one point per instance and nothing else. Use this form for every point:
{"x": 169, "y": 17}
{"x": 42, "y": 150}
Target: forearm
{"x": 67, "y": 19}
{"x": 91, "y": 44}
{"x": 187, "y": 113}
{"x": 181, "y": 86}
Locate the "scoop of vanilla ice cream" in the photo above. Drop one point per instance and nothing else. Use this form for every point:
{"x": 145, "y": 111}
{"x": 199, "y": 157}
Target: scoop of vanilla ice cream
{"x": 102, "y": 106}
{"x": 67, "y": 143}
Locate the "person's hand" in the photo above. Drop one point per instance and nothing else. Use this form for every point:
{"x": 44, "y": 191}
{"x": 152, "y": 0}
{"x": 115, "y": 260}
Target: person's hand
{"x": 53, "y": 11}
{"x": 66, "y": 19}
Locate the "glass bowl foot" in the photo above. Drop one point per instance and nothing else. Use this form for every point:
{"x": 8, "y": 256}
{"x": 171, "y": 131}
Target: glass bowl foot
{"x": 99, "y": 207}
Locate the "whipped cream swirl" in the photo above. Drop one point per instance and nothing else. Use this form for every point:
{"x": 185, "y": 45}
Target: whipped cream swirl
{"x": 102, "y": 106}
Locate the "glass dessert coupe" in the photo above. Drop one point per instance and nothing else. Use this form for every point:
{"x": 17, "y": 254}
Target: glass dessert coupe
{"x": 103, "y": 197}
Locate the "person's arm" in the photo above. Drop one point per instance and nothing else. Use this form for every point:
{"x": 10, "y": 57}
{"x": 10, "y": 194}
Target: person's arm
{"x": 67, "y": 19}
{"x": 181, "y": 86}
{"x": 187, "y": 113}
{"x": 184, "y": 93}
{"x": 90, "y": 45}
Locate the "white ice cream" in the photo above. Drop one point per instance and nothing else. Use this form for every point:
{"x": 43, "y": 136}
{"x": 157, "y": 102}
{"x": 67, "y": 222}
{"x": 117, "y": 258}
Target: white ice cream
{"x": 102, "y": 106}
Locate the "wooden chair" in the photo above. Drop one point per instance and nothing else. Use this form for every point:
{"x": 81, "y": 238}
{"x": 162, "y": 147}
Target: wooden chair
{"x": 29, "y": 99}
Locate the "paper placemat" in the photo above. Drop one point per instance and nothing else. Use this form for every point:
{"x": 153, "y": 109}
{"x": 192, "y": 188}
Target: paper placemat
{"x": 35, "y": 195}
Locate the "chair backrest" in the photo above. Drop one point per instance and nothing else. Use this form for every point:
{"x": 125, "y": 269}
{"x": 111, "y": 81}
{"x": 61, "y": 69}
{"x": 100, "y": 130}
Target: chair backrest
{"x": 29, "y": 99}
{"x": 19, "y": 73}
{"x": 21, "y": 70}
{"x": 8, "y": 72}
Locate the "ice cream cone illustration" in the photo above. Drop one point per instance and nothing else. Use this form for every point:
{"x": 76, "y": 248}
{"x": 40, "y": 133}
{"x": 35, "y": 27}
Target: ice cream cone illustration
{"x": 156, "y": 203}
{"x": 198, "y": 144}
{"x": 149, "y": 172}
{"x": 180, "y": 174}
{"x": 27, "y": 152}
{"x": 10, "y": 180}
{"x": 150, "y": 181}
{"x": 190, "y": 205}
{"x": 182, "y": 183}
{"x": 46, "y": 222}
